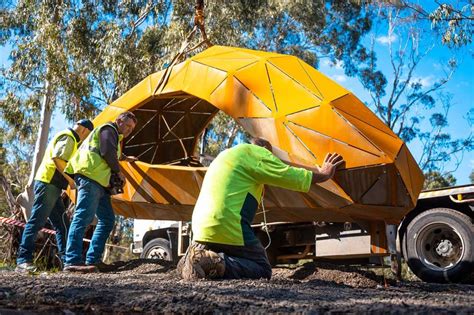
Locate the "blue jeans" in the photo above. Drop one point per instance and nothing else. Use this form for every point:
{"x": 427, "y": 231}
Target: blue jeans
{"x": 47, "y": 203}
{"x": 241, "y": 262}
{"x": 92, "y": 199}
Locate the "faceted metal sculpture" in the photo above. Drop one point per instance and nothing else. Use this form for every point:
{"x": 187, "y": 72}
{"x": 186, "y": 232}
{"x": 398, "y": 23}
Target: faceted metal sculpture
{"x": 300, "y": 111}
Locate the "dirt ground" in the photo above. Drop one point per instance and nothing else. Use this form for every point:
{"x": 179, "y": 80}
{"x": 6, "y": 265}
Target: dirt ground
{"x": 144, "y": 286}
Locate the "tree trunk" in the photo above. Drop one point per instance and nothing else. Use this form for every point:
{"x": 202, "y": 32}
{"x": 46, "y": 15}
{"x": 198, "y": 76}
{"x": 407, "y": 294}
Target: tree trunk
{"x": 8, "y": 194}
{"x": 232, "y": 135}
{"x": 25, "y": 199}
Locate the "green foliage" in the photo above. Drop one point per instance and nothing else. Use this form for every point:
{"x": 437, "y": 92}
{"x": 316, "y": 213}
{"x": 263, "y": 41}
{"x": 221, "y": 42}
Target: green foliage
{"x": 471, "y": 177}
{"x": 452, "y": 22}
{"x": 309, "y": 30}
{"x": 94, "y": 51}
{"x": 434, "y": 179}
{"x": 455, "y": 25}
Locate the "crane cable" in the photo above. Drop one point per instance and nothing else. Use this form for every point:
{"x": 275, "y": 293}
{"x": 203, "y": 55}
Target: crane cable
{"x": 184, "y": 49}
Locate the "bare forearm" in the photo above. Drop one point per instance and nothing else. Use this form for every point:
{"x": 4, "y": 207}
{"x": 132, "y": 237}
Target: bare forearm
{"x": 60, "y": 166}
{"x": 318, "y": 177}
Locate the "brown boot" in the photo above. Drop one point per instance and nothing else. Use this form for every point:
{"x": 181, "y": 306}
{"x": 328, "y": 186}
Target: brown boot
{"x": 80, "y": 268}
{"x": 187, "y": 269}
{"x": 201, "y": 263}
{"x": 180, "y": 265}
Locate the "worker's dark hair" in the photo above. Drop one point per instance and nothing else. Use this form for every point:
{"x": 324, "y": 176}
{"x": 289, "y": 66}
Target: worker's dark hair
{"x": 261, "y": 143}
{"x": 127, "y": 115}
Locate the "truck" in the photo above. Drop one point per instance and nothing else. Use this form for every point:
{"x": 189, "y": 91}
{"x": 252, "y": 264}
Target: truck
{"x": 435, "y": 238}
{"x": 373, "y": 199}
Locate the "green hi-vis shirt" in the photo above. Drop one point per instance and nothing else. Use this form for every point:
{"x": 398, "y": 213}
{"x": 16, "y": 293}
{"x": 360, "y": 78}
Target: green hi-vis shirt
{"x": 232, "y": 190}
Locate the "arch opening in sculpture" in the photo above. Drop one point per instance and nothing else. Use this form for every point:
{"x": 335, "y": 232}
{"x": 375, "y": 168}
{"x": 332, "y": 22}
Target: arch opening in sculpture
{"x": 168, "y": 129}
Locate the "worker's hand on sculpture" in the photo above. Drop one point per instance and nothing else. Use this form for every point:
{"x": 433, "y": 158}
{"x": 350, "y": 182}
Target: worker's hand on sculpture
{"x": 331, "y": 162}
{"x": 328, "y": 169}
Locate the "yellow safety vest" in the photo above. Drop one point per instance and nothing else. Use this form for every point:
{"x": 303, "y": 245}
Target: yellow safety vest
{"x": 47, "y": 168}
{"x": 88, "y": 162}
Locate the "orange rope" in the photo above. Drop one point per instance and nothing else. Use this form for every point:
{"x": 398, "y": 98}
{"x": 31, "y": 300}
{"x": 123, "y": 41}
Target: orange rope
{"x": 184, "y": 50}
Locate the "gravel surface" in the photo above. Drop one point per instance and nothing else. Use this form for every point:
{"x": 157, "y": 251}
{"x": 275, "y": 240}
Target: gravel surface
{"x": 154, "y": 287}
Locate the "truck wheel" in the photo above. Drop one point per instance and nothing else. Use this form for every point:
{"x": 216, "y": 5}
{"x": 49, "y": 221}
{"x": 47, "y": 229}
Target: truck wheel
{"x": 158, "y": 248}
{"x": 438, "y": 245}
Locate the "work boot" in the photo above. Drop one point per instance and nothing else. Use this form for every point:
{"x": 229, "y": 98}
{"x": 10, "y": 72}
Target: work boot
{"x": 80, "y": 268}
{"x": 103, "y": 267}
{"x": 180, "y": 265}
{"x": 201, "y": 263}
{"x": 25, "y": 267}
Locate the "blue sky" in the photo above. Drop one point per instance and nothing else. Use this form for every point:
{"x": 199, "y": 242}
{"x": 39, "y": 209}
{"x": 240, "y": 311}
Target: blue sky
{"x": 461, "y": 86}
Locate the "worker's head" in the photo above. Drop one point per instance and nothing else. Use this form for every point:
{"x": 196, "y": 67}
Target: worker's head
{"x": 83, "y": 127}
{"x": 261, "y": 142}
{"x": 126, "y": 123}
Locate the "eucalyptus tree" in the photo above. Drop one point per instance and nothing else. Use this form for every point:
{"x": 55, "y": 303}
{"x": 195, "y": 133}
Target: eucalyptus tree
{"x": 415, "y": 109}
{"x": 452, "y": 22}
{"x": 74, "y": 57}
{"x": 79, "y": 56}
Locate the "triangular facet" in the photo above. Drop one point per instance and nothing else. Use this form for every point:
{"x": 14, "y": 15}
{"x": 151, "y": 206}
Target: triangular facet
{"x": 356, "y": 182}
{"x": 327, "y": 87}
{"x": 320, "y": 145}
{"x": 352, "y": 106}
{"x": 202, "y": 80}
{"x": 323, "y": 119}
{"x": 293, "y": 68}
{"x": 261, "y": 87}
{"x": 236, "y": 100}
{"x": 227, "y": 64}
{"x": 290, "y": 96}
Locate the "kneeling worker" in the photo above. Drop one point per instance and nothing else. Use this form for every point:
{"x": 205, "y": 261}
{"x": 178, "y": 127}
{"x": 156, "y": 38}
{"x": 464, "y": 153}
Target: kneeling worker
{"x": 224, "y": 244}
{"x": 95, "y": 167}
{"x": 49, "y": 182}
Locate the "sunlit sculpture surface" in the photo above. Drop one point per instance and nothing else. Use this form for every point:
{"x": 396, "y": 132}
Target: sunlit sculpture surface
{"x": 300, "y": 111}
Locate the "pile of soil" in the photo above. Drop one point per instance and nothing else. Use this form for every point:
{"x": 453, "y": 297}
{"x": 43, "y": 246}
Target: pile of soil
{"x": 342, "y": 275}
{"x": 154, "y": 287}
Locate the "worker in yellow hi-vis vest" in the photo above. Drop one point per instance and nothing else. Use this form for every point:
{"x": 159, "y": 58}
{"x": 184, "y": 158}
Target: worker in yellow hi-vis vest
{"x": 96, "y": 172}
{"x": 49, "y": 182}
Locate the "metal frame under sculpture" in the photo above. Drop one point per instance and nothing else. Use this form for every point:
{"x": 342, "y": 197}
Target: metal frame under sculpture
{"x": 300, "y": 111}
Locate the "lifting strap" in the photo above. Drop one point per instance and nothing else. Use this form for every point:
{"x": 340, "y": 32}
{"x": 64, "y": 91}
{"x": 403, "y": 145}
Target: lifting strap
{"x": 185, "y": 49}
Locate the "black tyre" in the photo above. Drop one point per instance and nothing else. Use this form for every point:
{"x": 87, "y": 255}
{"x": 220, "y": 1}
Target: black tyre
{"x": 438, "y": 246}
{"x": 158, "y": 248}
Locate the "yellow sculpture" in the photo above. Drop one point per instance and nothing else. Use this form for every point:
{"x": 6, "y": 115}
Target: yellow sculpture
{"x": 300, "y": 111}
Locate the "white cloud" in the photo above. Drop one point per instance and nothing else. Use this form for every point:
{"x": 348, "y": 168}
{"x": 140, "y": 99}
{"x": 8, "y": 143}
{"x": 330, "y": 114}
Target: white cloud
{"x": 339, "y": 65}
{"x": 385, "y": 40}
{"x": 425, "y": 81}
{"x": 327, "y": 63}
{"x": 340, "y": 78}
{"x": 437, "y": 66}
